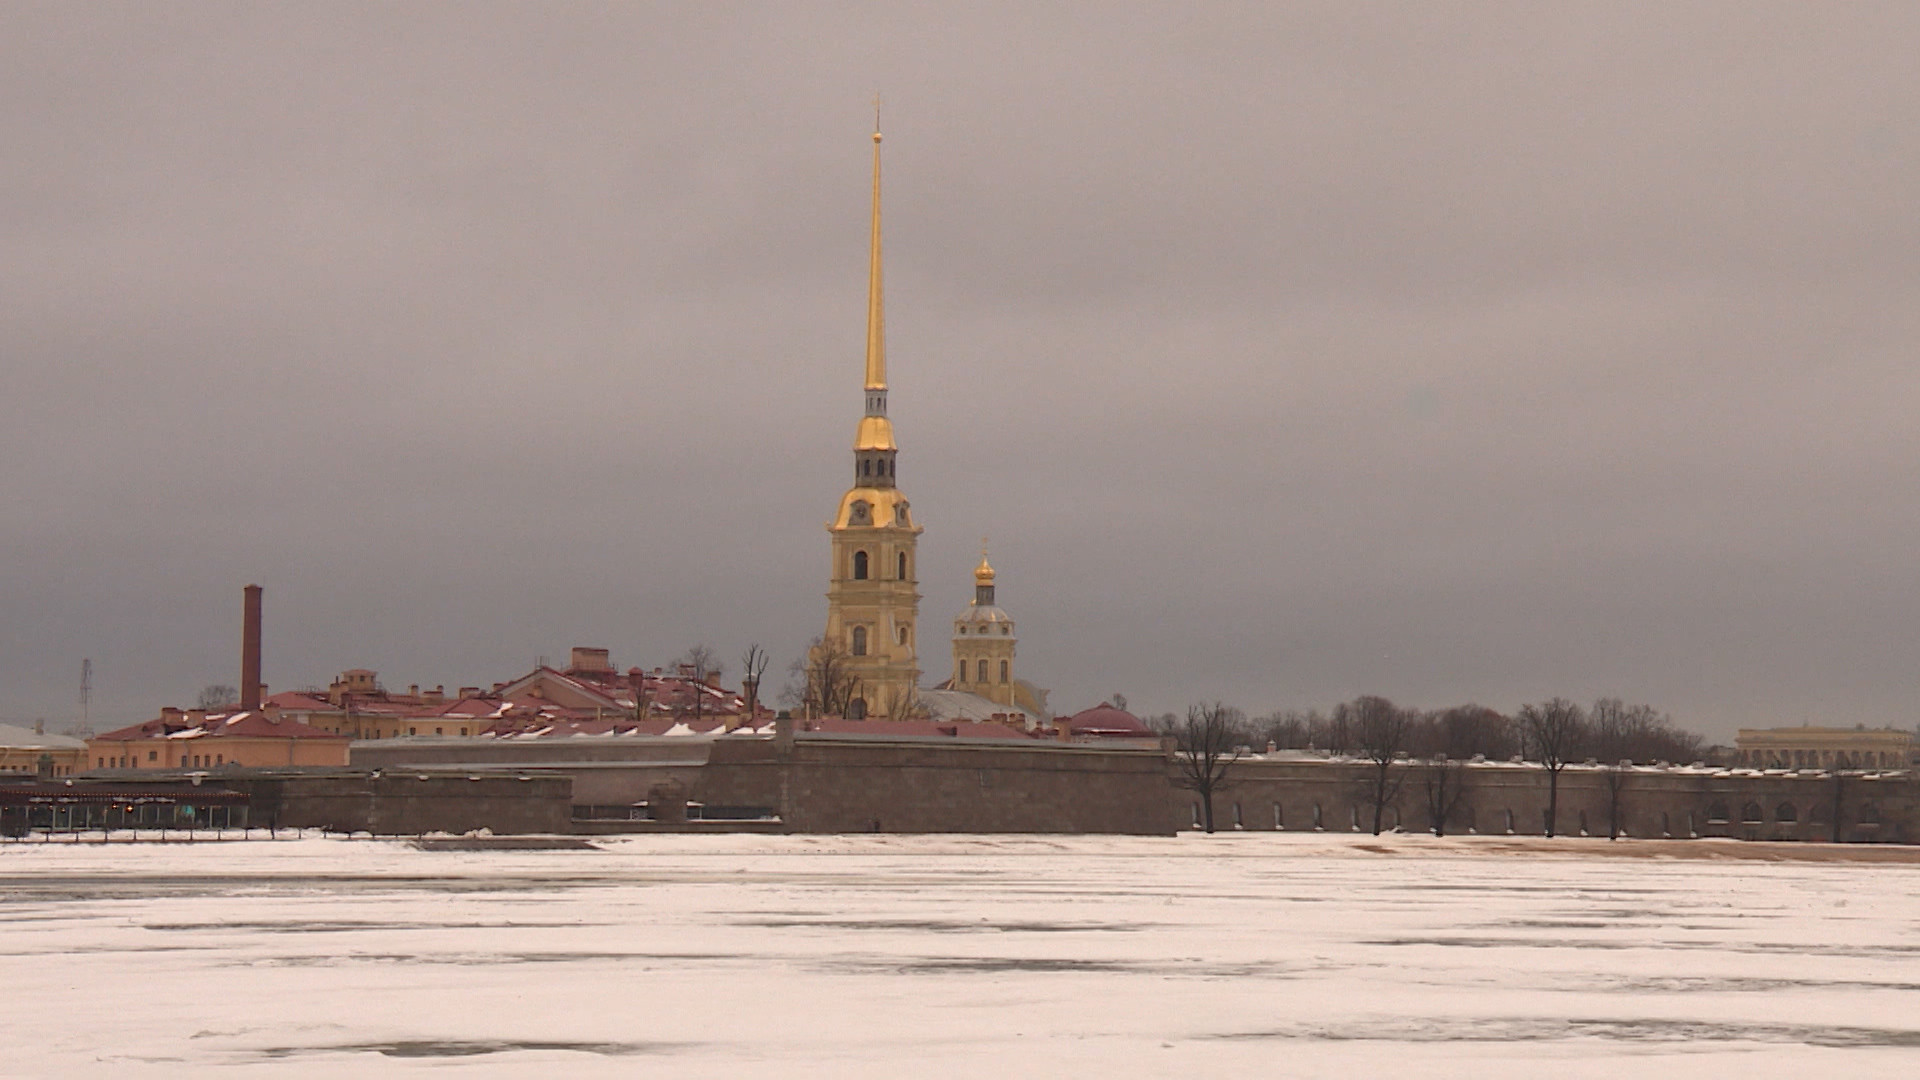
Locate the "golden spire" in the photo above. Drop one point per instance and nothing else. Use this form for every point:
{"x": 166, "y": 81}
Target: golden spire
{"x": 876, "y": 319}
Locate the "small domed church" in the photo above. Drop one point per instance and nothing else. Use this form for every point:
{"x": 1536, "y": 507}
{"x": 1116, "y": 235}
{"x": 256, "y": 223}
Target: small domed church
{"x": 866, "y": 663}
{"x": 984, "y": 643}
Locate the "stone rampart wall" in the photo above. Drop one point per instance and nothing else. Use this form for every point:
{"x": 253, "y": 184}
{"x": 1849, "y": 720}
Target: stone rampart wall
{"x": 1507, "y": 798}
{"x": 408, "y": 804}
{"x": 827, "y": 783}
{"x": 851, "y": 786}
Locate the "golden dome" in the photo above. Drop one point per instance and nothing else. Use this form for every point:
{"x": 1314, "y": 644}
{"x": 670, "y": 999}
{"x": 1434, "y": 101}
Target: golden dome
{"x": 883, "y": 508}
{"x": 983, "y": 574}
{"x": 875, "y": 433}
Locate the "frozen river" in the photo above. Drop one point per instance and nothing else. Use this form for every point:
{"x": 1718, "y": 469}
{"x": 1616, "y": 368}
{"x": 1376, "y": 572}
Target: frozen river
{"x": 709, "y": 956}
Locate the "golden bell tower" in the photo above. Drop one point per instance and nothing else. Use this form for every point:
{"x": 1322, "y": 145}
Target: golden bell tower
{"x": 867, "y": 652}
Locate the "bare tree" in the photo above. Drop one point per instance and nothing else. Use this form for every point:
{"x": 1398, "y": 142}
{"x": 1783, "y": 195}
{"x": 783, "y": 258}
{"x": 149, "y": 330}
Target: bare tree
{"x": 1554, "y": 731}
{"x": 752, "y": 665}
{"x": 1838, "y": 780}
{"x": 1379, "y": 730}
{"x": 217, "y": 696}
{"x": 1466, "y": 731}
{"x": 697, "y": 665}
{"x": 1445, "y": 784}
{"x": 1639, "y": 733}
{"x": 907, "y": 704}
{"x": 1286, "y": 729}
{"x": 1206, "y": 745}
{"x": 1613, "y": 733}
{"x": 1329, "y": 733}
{"x": 826, "y": 684}
{"x": 704, "y": 662}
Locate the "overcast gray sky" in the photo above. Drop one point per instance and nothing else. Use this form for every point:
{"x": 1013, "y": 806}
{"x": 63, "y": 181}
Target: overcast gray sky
{"x": 1286, "y": 352}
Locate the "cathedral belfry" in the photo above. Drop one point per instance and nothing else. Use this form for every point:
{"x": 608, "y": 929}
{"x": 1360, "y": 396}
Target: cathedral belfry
{"x": 868, "y": 649}
{"x": 984, "y": 645}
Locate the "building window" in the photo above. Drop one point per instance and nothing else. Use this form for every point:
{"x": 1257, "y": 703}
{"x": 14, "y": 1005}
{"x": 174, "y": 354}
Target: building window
{"x": 859, "y": 566}
{"x": 1717, "y": 814}
{"x": 857, "y": 709}
{"x": 903, "y": 566}
{"x": 1006, "y": 631}
{"x": 903, "y": 635}
{"x": 153, "y": 755}
{"x": 960, "y": 672}
{"x": 859, "y": 641}
{"x": 866, "y": 468}
{"x": 1786, "y": 813}
{"x": 1003, "y": 672}
{"x": 982, "y": 672}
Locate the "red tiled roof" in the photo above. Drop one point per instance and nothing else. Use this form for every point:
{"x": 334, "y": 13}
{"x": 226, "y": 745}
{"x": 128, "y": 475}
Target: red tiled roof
{"x": 564, "y": 723}
{"x": 927, "y": 729}
{"x": 1109, "y": 721}
{"x": 299, "y": 702}
{"x": 251, "y": 725}
{"x": 471, "y": 708}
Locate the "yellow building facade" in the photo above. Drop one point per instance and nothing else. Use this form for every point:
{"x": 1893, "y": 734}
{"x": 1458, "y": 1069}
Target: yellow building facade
{"x": 873, "y": 601}
{"x": 984, "y": 644}
{"x": 1826, "y": 748}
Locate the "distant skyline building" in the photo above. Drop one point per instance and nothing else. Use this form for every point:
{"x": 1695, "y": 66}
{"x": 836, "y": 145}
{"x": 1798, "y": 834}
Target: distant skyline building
{"x": 1809, "y": 747}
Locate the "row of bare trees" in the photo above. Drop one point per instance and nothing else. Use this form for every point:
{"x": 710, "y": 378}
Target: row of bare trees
{"x": 1463, "y": 731}
{"x": 1431, "y": 747}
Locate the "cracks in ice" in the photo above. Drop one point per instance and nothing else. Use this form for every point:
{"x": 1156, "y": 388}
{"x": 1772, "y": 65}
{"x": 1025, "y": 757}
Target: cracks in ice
{"x": 1549, "y": 1029}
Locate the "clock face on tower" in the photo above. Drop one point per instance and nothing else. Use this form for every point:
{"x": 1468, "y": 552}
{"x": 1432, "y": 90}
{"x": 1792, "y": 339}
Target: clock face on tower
{"x": 860, "y": 513}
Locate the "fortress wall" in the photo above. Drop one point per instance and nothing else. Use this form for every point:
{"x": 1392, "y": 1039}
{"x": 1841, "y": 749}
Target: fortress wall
{"x": 403, "y": 804}
{"x": 821, "y": 783}
{"x": 1502, "y": 798}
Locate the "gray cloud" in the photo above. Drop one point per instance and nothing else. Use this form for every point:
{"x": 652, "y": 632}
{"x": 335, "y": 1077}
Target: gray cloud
{"x": 1443, "y": 351}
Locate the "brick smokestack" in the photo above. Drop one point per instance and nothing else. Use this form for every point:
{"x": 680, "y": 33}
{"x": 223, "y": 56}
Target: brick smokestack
{"x": 250, "y": 652}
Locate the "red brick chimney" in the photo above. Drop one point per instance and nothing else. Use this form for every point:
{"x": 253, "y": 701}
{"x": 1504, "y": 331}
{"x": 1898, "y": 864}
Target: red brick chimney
{"x": 250, "y": 652}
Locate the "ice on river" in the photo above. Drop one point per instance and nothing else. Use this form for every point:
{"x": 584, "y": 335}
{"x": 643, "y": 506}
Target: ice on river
{"x": 709, "y": 956}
